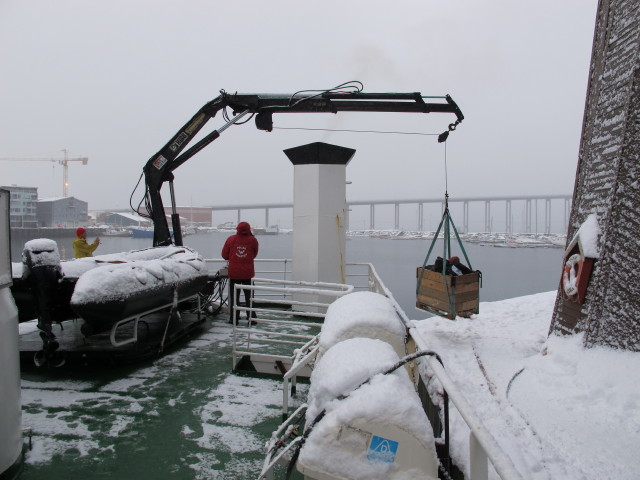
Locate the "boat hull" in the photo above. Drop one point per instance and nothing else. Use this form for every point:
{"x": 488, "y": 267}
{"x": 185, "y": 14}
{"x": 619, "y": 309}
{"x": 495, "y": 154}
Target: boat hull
{"x": 138, "y": 233}
{"x": 52, "y": 297}
{"x": 100, "y": 316}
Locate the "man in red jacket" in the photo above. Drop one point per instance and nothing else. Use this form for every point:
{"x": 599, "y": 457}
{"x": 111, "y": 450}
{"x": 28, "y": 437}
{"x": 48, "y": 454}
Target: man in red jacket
{"x": 240, "y": 250}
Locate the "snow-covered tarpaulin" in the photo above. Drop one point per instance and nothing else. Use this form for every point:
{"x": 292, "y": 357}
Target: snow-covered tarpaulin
{"x": 338, "y": 443}
{"x": 142, "y": 271}
{"x": 74, "y": 268}
{"x": 362, "y": 314}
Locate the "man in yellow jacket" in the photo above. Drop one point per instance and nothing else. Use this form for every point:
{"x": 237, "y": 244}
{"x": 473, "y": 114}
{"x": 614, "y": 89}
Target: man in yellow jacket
{"x": 81, "y": 248}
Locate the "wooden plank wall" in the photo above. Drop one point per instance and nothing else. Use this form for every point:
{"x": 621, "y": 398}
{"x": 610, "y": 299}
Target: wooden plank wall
{"x": 607, "y": 184}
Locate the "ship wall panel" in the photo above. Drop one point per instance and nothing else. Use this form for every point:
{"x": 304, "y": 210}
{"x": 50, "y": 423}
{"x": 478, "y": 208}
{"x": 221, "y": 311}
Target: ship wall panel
{"x": 615, "y": 314}
{"x": 607, "y": 185}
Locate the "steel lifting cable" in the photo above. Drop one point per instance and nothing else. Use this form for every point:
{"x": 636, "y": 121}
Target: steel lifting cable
{"x": 348, "y": 130}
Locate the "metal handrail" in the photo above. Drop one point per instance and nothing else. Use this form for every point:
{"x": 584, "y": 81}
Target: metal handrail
{"x": 483, "y": 446}
{"x": 288, "y": 288}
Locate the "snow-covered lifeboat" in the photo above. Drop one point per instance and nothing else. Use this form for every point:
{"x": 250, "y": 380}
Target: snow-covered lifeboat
{"x": 131, "y": 285}
{"x": 103, "y": 289}
{"x": 362, "y": 314}
{"x": 365, "y": 424}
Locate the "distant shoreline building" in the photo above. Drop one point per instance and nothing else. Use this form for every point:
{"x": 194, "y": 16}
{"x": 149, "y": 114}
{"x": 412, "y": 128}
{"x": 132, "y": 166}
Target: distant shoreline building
{"x": 189, "y": 216}
{"x": 22, "y": 206}
{"x": 62, "y": 212}
{"x": 200, "y": 216}
{"x": 122, "y": 219}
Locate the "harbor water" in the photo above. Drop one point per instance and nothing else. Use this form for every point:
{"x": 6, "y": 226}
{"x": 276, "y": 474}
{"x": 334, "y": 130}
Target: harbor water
{"x": 507, "y": 272}
{"x": 184, "y": 415}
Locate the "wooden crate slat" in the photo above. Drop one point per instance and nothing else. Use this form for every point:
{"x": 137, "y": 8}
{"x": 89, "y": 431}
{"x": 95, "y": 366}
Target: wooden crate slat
{"x": 463, "y": 290}
{"x": 429, "y": 284}
{"x": 438, "y": 311}
{"x": 434, "y": 280}
{"x": 431, "y": 288}
{"x": 433, "y": 298}
{"x": 435, "y": 303}
{"x": 468, "y": 305}
{"x": 466, "y": 297}
{"x": 469, "y": 278}
{"x": 471, "y": 287}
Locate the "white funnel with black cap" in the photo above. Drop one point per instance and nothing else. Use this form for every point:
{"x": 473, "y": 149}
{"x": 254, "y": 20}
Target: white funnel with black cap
{"x": 319, "y": 211}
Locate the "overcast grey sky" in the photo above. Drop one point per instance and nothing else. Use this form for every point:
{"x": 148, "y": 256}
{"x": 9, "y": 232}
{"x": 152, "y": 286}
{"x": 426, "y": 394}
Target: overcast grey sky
{"x": 114, "y": 80}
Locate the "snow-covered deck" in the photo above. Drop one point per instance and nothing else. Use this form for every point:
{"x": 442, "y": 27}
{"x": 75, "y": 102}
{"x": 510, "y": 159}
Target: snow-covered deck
{"x": 557, "y": 409}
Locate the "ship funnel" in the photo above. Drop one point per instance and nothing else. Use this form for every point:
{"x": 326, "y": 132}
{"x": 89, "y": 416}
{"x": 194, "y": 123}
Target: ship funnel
{"x": 319, "y": 212}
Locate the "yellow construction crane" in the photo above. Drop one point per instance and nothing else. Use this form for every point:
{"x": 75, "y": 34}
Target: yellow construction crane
{"x": 64, "y": 162}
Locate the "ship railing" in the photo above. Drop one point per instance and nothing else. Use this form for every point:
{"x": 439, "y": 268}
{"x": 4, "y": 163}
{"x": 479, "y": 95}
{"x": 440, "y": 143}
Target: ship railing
{"x": 303, "y": 360}
{"x": 483, "y": 447}
{"x": 281, "y": 326}
{"x": 271, "y": 268}
{"x": 280, "y": 447}
{"x": 357, "y": 274}
{"x": 289, "y": 313}
{"x": 137, "y": 318}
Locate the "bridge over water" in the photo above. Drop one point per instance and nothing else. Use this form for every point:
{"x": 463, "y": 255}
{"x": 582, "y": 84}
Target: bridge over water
{"x": 509, "y": 214}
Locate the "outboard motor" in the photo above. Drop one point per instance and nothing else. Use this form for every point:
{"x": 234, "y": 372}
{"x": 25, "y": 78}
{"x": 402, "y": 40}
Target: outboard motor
{"x": 43, "y": 272}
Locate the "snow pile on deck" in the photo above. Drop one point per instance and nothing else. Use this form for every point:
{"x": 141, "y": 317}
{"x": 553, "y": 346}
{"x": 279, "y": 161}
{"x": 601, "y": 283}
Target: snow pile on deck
{"x": 117, "y": 281}
{"x": 362, "y": 314}
{"x": 559, "y": 410}
{"x": 389, "y": 399}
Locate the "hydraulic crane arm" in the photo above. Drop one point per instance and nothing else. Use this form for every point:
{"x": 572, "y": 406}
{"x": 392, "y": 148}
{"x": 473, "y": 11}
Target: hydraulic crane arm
{"x": 160, "y": 167}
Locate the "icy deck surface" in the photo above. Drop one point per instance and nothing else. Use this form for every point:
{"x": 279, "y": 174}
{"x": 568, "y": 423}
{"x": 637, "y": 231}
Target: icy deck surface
{"x": 183, "y": 416}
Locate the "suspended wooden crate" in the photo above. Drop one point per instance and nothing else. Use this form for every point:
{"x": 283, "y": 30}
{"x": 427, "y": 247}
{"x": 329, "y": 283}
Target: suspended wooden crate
{"x": 438, "y": 289}
{"x": 448, "y": 295}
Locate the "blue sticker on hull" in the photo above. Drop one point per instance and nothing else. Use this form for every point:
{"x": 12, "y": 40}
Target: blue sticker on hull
{"x": 382, "y": 450}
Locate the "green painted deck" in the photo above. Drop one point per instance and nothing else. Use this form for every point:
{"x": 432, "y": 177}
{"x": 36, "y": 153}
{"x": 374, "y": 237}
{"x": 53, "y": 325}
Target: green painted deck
{"x": 182, "y": 415}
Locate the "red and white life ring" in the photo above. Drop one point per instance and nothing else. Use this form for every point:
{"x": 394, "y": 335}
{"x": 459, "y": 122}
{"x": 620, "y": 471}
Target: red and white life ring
{"x": 571, "y": 274}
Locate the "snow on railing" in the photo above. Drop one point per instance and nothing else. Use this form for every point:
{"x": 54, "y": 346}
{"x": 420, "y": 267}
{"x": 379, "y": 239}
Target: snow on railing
{"x": 483, "y": 447}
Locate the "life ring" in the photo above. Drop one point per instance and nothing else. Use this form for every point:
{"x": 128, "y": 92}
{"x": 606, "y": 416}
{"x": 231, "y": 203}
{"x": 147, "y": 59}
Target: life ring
{"x": 570, "y": 277}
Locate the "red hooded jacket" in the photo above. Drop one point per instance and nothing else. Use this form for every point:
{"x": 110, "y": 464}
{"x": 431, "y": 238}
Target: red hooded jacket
{"x": 240, "y": 249}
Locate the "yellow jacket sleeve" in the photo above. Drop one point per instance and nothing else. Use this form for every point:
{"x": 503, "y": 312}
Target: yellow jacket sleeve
{"x": 82, "y": 249}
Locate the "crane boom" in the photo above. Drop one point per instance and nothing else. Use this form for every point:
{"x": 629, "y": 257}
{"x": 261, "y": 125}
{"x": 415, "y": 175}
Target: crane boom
{"x": 64, "y": 162}
{"x": 159, "y": 168}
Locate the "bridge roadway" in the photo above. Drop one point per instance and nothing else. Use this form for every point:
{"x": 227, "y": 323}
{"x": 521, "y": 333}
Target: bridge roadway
{"x": 529, "y": 211}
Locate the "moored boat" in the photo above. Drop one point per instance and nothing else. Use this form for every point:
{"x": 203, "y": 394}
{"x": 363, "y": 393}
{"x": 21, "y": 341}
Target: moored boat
{"x": 117, "y": 232}
{"x": 142, "y": 232}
